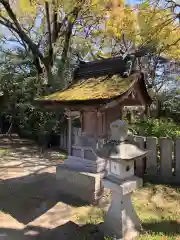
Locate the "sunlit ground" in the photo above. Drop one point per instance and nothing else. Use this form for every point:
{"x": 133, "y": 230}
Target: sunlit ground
{"x": 37, "y": 204}
{"x": 158, "y": 207}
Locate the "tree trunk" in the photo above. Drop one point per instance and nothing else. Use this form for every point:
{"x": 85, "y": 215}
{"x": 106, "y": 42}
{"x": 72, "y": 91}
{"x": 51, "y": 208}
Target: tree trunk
{"x": 130, "y": 116}
{"x": 49, "y": 75}
{"x": 158, "y": 108}
{"x": 147, "y": 113}
{"x": 46, "y": 79}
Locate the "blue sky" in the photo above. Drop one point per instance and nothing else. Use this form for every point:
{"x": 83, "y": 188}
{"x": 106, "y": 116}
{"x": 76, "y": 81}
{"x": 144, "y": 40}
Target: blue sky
{"x": 132, "y": 1}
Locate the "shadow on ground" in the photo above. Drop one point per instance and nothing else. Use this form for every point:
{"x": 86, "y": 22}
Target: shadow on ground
{"x": 166, "y": 227}
{"x": 67, "y": 231}
{"x": 27, "y": 198}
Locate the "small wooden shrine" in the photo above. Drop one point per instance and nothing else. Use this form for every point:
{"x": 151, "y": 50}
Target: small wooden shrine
{"x": 99, "y": 91}
{"x": 98, "y": 94}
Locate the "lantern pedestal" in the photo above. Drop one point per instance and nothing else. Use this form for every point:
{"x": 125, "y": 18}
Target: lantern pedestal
{"x": 80, "y": 176}
{"x": 83, "y": 186}
{"x": 121, "y": 220}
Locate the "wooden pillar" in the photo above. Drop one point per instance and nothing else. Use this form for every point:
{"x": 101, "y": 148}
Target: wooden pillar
{"x": 89, "y": 122}
{"x": 69, "y": 133}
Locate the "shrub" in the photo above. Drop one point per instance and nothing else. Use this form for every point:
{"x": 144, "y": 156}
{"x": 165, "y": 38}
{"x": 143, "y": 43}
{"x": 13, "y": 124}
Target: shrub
{"x": 157, "y": 127}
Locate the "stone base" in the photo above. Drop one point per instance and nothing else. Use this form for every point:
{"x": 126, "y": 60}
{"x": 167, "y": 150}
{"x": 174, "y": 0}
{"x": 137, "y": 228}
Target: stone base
{"x": 121, "y": 220}
{"x": 87, "y": 187}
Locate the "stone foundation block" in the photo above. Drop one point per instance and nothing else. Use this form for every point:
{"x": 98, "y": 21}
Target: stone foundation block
{"x": 87, "y": 187}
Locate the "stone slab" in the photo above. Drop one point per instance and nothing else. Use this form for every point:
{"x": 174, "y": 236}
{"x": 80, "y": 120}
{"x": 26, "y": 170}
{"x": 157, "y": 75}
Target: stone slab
{"x": 84, "y": 186}
{"x": 87, "y": 161}
{"x": 83, "y": 165}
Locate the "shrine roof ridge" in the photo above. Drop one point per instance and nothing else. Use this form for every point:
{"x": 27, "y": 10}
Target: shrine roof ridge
{"x": 97, "y": 68}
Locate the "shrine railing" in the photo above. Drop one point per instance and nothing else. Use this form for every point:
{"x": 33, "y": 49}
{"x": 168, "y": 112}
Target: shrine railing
{"x": 162, "y": 163}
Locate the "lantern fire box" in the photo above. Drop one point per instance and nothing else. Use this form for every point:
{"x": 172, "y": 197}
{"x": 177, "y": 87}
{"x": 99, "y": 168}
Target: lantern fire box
{"x": 119, "y": 153}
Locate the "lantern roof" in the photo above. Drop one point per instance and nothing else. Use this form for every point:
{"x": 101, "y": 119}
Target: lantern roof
{"x": 121, "y": 151}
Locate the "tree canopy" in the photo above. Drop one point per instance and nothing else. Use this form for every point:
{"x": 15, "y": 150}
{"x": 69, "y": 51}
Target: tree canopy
{"x": 55, "y": 32}
{"x": 41, "y": 41}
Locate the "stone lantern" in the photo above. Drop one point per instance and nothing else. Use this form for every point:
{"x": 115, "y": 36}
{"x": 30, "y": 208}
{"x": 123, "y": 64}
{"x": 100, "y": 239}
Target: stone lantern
{"x": 121, "y": 220}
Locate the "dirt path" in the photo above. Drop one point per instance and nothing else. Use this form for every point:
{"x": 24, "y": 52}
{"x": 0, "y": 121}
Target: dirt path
{"x": 29, "y": 203}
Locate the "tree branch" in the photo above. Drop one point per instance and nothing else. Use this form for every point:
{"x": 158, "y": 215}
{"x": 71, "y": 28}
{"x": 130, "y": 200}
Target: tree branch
{"x": 19, "y": 40}
{"x": 69, "y": 29}
{"x": 36, "y": 61}
{"x": 124, "y": 41}
{"x": 54, "y": 19}
{"x": 58, "y": 25}
{"x": 173, "y": 3}
{"x": 159, "y": 28}
{"x": 8, "y": 24}
{"x": 50, "y": 54}
{"x": 18, "y": 29}
{"x": 170, "y": 45}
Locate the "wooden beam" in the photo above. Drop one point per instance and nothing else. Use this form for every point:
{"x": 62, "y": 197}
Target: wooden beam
{"x": 69, "y": 134}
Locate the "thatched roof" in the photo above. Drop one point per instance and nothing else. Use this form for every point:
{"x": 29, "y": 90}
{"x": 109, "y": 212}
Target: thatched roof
{"x": 105, "y": 87}
{"x": 97, "y": 82}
